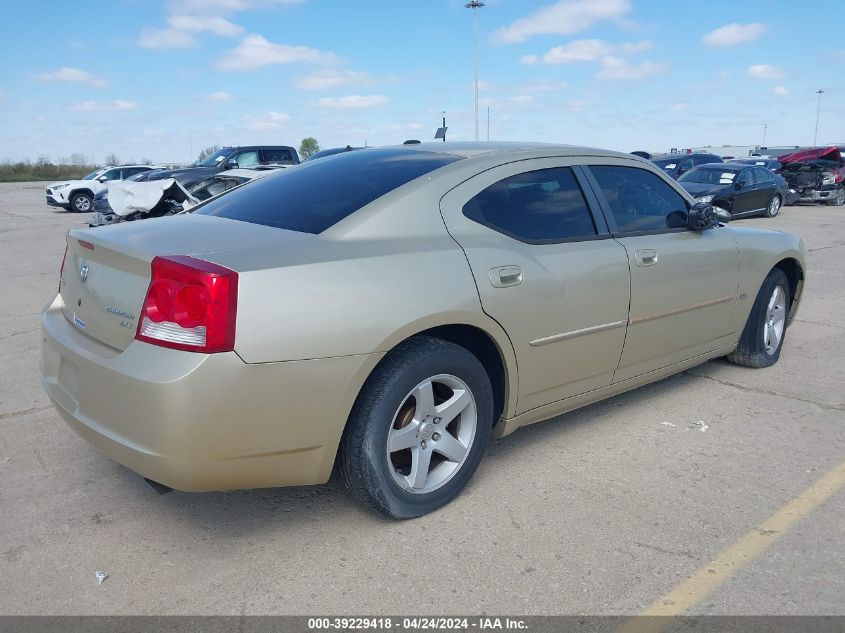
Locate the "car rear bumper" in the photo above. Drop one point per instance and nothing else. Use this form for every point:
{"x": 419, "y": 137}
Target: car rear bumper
{"x": 199, "y": 422}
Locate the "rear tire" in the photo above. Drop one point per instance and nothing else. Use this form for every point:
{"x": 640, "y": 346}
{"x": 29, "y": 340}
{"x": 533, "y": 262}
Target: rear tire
{"x": 418, "y": 429}
{"x": 774, "y": 206}
{"x": 81, "y": 202}
{"x": 765, "y": 330}
{"x": 839, "y": 199}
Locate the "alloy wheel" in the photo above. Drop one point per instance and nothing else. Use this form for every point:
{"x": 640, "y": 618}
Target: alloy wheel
{"x": 431, "y": 433}
{"x": 775, "y": 323}
{"x": 774, "y": 206}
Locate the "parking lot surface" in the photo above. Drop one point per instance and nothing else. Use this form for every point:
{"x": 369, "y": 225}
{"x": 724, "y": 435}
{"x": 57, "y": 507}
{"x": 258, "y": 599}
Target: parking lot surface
{"x": 601, "y": 511}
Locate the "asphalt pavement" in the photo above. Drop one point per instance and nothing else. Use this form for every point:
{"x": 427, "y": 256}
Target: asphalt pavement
{"x": 601, "y": 511}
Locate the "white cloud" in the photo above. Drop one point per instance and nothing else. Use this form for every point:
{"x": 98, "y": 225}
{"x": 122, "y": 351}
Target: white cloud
{"x": 219, "y": 96}
{"x": 71, "y": 74}
{"x": 617, "y": 68}
{"x": 255, "y": 51}
{"x": 162, "y": 39}
{"x": 117, "y": 105}
{"x": 764, "y": 71}
{"x": 329, "y": 78}
{"x": 205, "y": 23}
{"x": 733, "y": 34}
{"x": 267, "y": 121}
{"x": 585, "y": 51}
{"x": 225, "y": 6}
{"x": 679, "y": 107}
{"x": 564, "y": 17}
{"x": 521, "y": 99}
{"x": 575, "y": 51}
{"x": 353, "y": 101}
{"x": 780, "y": 91}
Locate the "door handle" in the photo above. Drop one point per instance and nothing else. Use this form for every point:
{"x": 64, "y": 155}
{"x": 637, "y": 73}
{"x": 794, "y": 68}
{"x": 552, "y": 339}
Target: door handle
{"x": 646, "y": 257}
{"x": 504, "y": 276}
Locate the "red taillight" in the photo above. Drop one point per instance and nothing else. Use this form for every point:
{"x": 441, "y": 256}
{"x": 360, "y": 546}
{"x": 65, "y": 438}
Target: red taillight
{"x": 191, "y": 304}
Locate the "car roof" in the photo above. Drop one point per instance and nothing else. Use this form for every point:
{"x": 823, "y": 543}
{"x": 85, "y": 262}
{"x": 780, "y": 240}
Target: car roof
{"x": 470, "y": 149}
{"x": 725, "y": 166}
{"x": 679, "y": 156}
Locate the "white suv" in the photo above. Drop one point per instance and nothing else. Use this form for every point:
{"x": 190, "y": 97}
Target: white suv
{"x": 78, "y": 195}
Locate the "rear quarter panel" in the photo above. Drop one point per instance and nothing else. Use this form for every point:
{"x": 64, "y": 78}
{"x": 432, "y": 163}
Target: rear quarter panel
{"x": 760, "y": 250}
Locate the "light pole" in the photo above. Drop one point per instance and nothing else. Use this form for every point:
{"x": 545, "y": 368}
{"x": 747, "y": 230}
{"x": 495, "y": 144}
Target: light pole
{"x": 818, "y": 110}
{"x": 475, "y": 4}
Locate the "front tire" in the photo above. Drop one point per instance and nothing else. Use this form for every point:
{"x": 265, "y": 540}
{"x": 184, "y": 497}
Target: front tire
{"x": 774, "y": 206}
{"x": 765, "y": 330}
{"x": 81, "y": 202}
{"x": 839, "y": 199}
{"x": 418, "y": 429}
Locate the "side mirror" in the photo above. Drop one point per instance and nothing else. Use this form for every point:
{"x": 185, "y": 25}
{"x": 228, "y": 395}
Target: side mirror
{"x": 724, "y": 216}
{"x": 702, "y": 216}
{"x": 102, "y": 179}
{"x": 231, "y": 164}
{"x": 738, "y": 186}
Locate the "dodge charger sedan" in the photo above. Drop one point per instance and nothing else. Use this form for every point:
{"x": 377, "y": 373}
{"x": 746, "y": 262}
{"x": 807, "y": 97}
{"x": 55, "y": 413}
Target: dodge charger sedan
{"x": 386, "y": 311}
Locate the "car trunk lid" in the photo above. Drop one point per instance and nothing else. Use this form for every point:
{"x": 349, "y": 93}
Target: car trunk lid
{"x": 107, "y": 269}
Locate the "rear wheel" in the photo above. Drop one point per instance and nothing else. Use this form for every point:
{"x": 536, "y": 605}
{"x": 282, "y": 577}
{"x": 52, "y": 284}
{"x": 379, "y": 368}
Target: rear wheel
{"x": 81, "y": 202}
{"x": 765, "y": 330}
{"x": 838, "y": 198}
{"x": 418, "y": 429}
{"x": 774, "y": 206}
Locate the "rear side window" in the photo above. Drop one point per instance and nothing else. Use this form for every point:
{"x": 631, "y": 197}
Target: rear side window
{"x": 316, "y": 195}
{"x": 639, "y": 200}
{"x": 277, "y": 156}
{"x": 541, "y": 205}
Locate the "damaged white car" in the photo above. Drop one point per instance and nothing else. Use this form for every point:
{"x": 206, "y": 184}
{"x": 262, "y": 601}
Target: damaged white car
{"x": 128, "y": 201}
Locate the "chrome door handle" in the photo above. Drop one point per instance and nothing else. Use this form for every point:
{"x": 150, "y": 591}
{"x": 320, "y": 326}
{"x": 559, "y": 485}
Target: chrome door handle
{"x": 646, "y": 257}
{"x": 504, "y": 276}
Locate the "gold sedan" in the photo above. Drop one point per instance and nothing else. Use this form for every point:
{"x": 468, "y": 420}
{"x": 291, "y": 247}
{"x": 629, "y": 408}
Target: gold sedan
{"x": 387, "y": 311}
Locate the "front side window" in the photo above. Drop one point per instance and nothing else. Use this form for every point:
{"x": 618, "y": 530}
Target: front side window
{"x": 745, "y": 178}
{"x": 639, "y": 200}
{"x": 546, "y": 204}
{"x": 248, "y": 159}
{"x": 112, "y": 174}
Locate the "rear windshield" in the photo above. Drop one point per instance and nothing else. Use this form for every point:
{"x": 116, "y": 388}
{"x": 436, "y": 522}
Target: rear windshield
{"x": 316, "y": 195}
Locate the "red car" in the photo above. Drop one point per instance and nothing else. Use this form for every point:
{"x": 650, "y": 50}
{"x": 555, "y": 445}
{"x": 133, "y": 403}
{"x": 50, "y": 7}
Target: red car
{"x": 817, "y": 174}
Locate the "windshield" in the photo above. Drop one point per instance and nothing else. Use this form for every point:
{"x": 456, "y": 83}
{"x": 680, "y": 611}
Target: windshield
{"x": 92, "y": 175}
{"x": 709, "y": 176}
{"x": 215, "y": 158}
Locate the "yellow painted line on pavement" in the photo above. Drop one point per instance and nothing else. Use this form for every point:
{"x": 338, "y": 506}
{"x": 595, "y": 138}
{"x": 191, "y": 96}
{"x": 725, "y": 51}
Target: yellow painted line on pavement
{"x": 729, "y": 561}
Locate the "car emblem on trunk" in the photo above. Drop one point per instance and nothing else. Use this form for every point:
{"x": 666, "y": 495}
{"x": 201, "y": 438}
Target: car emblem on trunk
{"x": 83, "y": 272}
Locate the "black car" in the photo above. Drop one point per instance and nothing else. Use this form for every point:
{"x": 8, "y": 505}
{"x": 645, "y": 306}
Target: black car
{"x": 676, "y": 165}
{"x": 740, "y": 189}
{"x": 772, "y": 164}
{"x": 247, "y": 157}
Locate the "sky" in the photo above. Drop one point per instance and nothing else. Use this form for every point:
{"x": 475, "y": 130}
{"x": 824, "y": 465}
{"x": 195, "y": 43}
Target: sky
{"x": 163, "y": 79}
